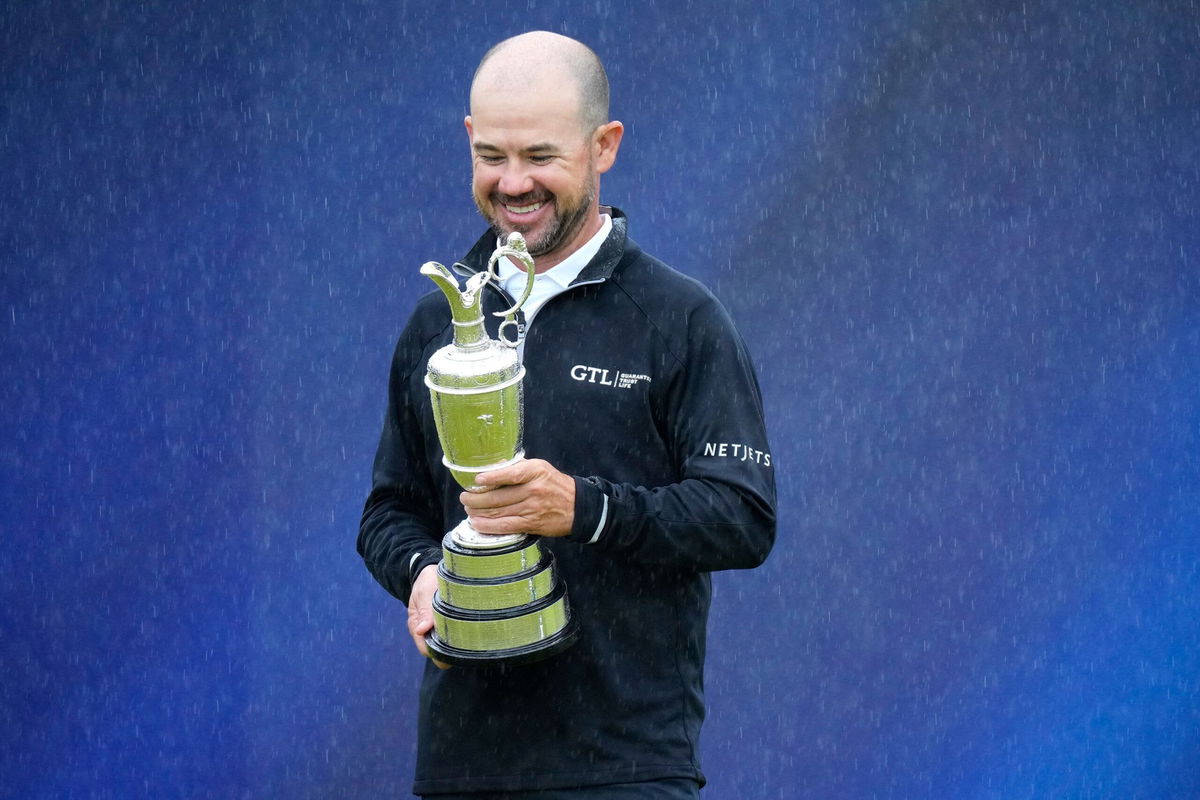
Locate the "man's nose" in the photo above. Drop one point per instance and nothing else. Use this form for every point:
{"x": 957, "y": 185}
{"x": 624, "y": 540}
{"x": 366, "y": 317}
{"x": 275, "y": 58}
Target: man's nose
{"x": 515, "y": 180}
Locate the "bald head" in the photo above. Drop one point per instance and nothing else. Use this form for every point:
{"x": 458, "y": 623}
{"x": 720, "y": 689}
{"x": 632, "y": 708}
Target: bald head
{"x": 540, "y": 140}
{"x": 543, "y": 59}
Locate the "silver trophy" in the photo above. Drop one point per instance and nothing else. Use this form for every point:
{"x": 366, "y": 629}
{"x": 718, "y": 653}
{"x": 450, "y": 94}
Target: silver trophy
{"x": 499, "y": 599}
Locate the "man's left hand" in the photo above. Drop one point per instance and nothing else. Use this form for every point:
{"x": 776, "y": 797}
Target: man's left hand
{"x": 530, "y": 496}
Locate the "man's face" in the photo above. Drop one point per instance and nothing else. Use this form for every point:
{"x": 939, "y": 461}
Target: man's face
{"x": 533, "y": 168}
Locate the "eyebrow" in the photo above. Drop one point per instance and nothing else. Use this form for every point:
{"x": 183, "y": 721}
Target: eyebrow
{"x": 540, "y": 147}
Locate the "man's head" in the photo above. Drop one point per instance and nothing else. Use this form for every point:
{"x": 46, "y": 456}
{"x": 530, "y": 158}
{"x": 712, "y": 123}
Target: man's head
{"x": 540, "y": 138}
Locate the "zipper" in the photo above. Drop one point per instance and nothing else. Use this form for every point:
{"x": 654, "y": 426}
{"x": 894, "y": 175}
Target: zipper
{"x": 594, "y": 281}
{"x": 524, "y": 322}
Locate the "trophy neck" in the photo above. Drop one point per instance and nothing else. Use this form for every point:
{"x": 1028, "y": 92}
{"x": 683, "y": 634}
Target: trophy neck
{"x": 469, "y": 334}
{"x": 466, "y": 307}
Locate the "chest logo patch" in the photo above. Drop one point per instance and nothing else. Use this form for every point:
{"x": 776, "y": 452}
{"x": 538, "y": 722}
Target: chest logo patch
{"x": 607, "y": 377}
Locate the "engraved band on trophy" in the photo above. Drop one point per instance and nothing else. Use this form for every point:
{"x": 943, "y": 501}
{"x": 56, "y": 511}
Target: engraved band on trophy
{"x": 499, "y": 598}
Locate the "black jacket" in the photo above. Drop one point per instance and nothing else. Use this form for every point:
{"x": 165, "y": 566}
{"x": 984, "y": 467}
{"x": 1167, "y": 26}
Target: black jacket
{"x": 638, "y": 385}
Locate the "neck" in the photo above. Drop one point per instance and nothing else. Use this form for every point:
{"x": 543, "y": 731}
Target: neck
{"x": 558, "y": 255}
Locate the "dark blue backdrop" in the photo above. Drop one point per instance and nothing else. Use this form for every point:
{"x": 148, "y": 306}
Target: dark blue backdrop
{"x": 960, "y": 236}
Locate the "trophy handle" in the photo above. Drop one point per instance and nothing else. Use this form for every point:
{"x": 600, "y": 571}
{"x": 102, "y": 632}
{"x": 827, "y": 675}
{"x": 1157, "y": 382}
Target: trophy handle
{"x": 516, "y": 248}
{"x": 510, "y": 322}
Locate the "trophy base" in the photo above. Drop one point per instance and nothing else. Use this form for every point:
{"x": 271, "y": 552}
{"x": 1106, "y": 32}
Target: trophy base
{"x": 499, "y": 606}
{"x": 513, "y": 656}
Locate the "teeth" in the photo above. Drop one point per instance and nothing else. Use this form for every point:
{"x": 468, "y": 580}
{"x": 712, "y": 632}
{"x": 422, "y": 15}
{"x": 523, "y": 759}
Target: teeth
{"x": 524, "y": 209}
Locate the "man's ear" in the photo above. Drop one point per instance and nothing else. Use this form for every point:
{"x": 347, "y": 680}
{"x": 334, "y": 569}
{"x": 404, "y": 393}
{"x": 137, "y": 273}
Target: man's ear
{"x": 605, "y": 143}
{"x": 467, "y": 124}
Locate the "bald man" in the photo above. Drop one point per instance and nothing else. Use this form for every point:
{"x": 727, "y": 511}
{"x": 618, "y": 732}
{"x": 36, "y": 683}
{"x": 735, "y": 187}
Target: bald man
{"x": 648, "y": 465}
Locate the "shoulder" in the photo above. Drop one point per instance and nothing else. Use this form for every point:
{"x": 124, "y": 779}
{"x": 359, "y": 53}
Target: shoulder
{"x": 430, "y": 316}
{"x": 680, "y": 308}
{"x": 660, "y": 287}
{"x": 650, "y": 277}
{"x": 427, "y": 324}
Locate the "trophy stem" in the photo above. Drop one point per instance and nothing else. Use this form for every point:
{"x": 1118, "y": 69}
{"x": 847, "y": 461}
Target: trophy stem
{"x": 465, "y": 535}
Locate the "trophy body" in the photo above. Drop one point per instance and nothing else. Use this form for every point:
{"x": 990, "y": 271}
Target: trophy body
{"x": 499, "y": 599}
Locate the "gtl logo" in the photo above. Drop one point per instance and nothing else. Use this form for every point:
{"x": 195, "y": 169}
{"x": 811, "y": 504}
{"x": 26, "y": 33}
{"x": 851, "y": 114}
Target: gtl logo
{"x": 620, "y": 380}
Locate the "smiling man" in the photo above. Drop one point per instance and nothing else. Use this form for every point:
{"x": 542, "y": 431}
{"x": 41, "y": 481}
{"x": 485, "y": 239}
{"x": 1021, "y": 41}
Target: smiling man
{"x": 540, "y": 138}
{"x": 640, "y": 405}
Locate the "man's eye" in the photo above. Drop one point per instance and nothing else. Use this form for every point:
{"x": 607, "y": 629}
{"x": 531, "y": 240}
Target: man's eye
{"x": 490, "y": 159}
{"x": 541, "y": 159}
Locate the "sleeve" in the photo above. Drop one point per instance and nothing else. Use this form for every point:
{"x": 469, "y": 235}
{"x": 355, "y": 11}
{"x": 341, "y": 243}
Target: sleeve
{"x": 401, "y": 528}
{"x": 721, "y": 513}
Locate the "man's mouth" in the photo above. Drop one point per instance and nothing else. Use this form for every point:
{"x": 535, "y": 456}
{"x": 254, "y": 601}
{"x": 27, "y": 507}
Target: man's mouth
{"x": 519, "y": 205}
{"x": 524, "y": 209}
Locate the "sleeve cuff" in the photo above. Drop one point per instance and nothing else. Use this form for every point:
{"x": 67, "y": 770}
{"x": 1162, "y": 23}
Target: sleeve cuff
{"x": 591, "y": 512}
{"x": 420, "y": 560}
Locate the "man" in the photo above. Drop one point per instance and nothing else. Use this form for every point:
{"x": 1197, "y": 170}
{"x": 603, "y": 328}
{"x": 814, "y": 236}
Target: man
{"x": 640, "y": 485}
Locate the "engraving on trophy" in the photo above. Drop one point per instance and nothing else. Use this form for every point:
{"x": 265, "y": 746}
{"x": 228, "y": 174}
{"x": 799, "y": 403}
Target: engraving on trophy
{"x": 499, "y": 599}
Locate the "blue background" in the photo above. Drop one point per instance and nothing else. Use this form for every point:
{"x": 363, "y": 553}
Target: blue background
{"x": 960, "y": 237}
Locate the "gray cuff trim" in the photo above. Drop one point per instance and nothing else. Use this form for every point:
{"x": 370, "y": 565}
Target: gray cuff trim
{"x": 603, "y": 519}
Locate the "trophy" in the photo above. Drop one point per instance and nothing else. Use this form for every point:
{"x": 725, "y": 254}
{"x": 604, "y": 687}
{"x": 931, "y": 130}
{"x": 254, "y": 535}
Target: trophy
{"x": 499, "y": 599}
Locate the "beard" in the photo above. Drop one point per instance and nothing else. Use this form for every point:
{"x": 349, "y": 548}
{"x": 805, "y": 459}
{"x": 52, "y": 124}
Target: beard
{"x": 569, "y": 216}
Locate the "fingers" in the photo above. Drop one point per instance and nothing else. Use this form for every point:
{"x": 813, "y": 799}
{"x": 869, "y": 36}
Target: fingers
{"x": 492, "y": 498}
{"x": 521, "y": 472}
{"x": 500, "y": 525}
{"x": 420, "y": 611}
{"x": 528, "y": 497}
{"x": 503, "y": 487}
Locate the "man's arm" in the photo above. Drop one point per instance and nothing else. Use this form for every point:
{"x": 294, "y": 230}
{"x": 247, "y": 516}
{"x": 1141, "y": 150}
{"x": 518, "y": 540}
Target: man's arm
{"x": 719, "y": 515}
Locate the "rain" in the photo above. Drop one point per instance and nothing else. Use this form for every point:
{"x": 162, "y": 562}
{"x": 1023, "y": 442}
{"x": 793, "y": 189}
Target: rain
{"x": 960, "y": 240}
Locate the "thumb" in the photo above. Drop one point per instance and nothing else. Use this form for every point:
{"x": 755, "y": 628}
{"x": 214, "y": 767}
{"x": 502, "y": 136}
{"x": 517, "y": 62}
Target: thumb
{"x": 420, "y": 622}
{"x": 420, "y": 619}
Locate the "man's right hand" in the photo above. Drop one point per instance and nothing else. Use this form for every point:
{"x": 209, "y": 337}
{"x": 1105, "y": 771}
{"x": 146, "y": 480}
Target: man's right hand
{"x": 420, "y": 611}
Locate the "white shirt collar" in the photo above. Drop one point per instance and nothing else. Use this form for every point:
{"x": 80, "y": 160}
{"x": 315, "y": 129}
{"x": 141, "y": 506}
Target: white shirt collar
{"x": 562, "y": 273}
